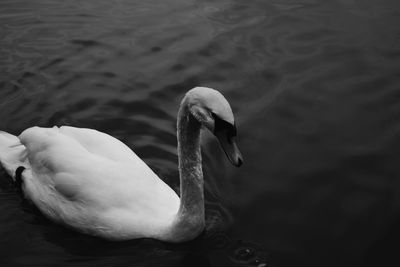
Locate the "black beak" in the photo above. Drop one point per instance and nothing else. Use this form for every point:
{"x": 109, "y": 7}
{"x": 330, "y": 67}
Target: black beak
{"x": 225, "y": 132}
{"x": 230, "y": 148}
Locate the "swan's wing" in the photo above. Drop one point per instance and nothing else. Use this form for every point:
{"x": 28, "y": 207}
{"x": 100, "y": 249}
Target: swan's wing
{"x": 84, "y": 163}
{"x": 60, "y": 163}
{"x": 81, "y": 177}
{"x": 100, "y": 143}
{"x": 93, "y": 141}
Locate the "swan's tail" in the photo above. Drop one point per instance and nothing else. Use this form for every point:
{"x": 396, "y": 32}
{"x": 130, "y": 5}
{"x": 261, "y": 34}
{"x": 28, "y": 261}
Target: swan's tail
{"x": 12, "y": 153}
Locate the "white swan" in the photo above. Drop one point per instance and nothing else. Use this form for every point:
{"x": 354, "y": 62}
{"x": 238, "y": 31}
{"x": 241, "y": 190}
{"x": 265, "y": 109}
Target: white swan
{"x": 94, "y": 183}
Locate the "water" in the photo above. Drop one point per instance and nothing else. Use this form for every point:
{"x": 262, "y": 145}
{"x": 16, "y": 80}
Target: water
{"x": 314, "y": 85}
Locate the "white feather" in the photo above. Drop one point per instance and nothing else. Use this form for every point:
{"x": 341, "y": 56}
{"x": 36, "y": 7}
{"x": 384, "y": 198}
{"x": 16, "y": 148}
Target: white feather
{"x": 94, "y": 183}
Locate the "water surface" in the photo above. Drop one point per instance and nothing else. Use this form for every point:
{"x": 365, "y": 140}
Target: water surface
{"x": 314, "y": 85}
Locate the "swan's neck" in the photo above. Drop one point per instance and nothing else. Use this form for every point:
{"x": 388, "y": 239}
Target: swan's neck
{"x": 189, "y": 221}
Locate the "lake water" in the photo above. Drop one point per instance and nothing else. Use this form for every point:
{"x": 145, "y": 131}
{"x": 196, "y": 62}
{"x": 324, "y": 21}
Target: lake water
{"x": 314, "y": 85}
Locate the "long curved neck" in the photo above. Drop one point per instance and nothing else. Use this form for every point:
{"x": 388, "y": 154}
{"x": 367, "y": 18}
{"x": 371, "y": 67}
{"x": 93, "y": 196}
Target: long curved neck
{"x": 190, "y": 218}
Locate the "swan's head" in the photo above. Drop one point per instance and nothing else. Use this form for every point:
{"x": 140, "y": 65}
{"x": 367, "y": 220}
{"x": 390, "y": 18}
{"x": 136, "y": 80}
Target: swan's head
{"x": 213, "y": 111}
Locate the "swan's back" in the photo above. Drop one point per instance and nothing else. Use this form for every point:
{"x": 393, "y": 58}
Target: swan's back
{"x": 93, "y": 141}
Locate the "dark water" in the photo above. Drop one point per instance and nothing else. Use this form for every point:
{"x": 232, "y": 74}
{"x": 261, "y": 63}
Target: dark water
{"x": 315, "y": 86}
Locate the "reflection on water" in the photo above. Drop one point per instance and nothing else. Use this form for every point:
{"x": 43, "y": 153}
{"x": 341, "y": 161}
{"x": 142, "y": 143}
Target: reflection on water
{"x": 314, "y": 86}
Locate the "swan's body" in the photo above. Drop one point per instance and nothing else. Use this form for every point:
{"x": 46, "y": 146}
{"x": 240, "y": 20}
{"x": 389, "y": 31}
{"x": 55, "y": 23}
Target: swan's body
{"x": 94, "y": 183}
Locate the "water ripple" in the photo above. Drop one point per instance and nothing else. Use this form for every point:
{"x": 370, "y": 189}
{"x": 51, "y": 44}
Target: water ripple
{"x": 315, "y": 89}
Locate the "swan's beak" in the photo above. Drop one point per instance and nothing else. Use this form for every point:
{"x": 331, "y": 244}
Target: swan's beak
{"x": 230, "y": 148}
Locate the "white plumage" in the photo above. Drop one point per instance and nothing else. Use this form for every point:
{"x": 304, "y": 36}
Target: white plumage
{"x": 92, "y": 182}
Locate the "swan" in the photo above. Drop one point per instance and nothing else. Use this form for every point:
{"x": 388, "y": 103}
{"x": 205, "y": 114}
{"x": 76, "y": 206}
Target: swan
{"x": 92, "y": 182}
